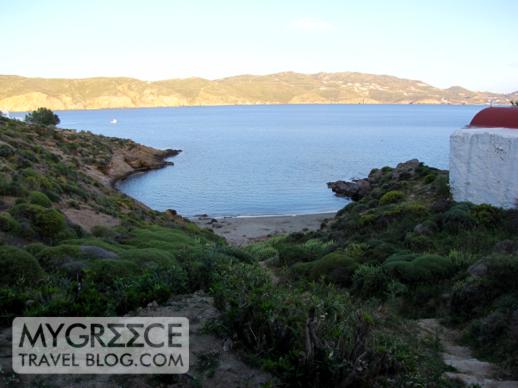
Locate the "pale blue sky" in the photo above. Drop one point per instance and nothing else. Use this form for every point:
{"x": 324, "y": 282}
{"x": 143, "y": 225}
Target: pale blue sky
{"x": 472, "y": 43}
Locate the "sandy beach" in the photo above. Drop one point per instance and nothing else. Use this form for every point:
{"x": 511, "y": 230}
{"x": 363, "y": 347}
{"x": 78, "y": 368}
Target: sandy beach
{"x": 244, "y": 230}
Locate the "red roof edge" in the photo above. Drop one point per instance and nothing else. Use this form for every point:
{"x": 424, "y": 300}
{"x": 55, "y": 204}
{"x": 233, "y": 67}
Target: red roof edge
{"x": 496, "y": 117}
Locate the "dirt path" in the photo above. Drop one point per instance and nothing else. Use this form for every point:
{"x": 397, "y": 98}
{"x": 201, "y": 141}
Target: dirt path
{"x": 213, "y": 362}
{"x": 468, "y": 369}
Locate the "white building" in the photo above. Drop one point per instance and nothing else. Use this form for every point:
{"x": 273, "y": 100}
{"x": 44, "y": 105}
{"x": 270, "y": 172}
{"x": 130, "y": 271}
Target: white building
{"x": 484, "y": 159}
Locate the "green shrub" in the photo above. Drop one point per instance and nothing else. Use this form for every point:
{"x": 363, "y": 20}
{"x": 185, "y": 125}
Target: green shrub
{"x": 19, "y": 268}
{"x": 487, "y": 215}
{"x": 43, "y": 116}
{"x": 335, "y": 267}
{"x": 9, "y": 224}
{"x": 38, "y": 198}
{"x": 458, "y": 217}
{"x": 48, "y": 223}
{"x": 391, "y": 197}
{"x": 102, "y": 231}
{"x": 52, "y": 258}
{"x": 101, "y": 272}
{"x": 150, "y": 257}
{"x": 35, "y": 248}
{"x": 263, "y": 251}
{"x": 291, "y": 253}
{"x": 370, "y": 281}
{"x": 409, "y": 268}
{"x": 441, "y": 186}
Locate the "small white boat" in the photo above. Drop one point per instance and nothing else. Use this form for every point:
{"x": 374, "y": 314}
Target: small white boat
{"x": 114, "y": 121}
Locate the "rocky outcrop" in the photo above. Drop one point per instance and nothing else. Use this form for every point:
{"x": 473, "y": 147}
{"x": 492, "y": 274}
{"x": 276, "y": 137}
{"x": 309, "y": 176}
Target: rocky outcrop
{"x": 132, "y": 160}
{"x": 355, "y": 189}
{"x": 358, "y": 188}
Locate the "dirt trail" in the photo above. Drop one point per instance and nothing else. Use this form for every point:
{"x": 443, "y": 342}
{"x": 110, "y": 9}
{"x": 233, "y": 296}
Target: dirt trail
{"x": 213, "y": 363}
{"x": 468, "y": 369}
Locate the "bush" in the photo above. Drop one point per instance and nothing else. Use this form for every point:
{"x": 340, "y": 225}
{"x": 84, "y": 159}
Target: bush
{"x": 263, "y": 251}
{"x": 38, "y": 198}
{"x": 487, "y": 215}
{"x": 9, "y": 224}
{"x": 48, "y": 223}
{"x": 370, "y": 281}
{"x": 409, "y": 268}
{"x": 42, "y": 116}
{"x": 150, "y": 258}
{"x": 19, "y": 268}
{"x": 458, "y": 217}
{"x": 391, "y": 197}
{"x": 335, "y": 267}
{"x": 52, "y": 258}
{"x": 441, "y": 186}
{"x": 102, "y": 231}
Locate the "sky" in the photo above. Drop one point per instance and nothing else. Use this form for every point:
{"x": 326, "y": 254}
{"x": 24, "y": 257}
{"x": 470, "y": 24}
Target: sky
{"x": 470, "y": 43}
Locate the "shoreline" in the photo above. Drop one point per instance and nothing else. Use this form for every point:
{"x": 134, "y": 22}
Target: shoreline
{"x": 262, "y": 104}
{"x": 159, "y": 161}
{"x": 244, "y": 230}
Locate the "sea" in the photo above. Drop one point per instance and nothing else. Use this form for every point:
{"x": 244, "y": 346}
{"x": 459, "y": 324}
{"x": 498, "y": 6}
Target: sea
{"x": 271, "y": 159}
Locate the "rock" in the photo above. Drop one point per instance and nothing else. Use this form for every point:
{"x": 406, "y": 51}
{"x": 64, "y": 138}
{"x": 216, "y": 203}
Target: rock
{"x": 213, "y": 221}
{"x": 375, "y": 175}
{"x": 423, "y": 229}
{"x": 478, "y": 269}
{"x": 228, "y": 344}
{"x": 355, "y": 189}
{"x": 29, "y": 302}
{"x": 153, "y": 304}
{"x": 406, "y": 170}
{"x": 168, "y": 153}
{"x": 171, "y": 213}
{"x": 97, "y": 252}
{"x": 506, "y": 246}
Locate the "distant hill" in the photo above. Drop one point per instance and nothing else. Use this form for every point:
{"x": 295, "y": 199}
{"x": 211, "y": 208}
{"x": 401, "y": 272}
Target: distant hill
{"x": 21, "y": 94}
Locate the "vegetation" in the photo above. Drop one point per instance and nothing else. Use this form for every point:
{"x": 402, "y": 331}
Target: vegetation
{"x": 406, "y": 245}
{"x": 333, "y": 308}
{"x": 42, "y": 116}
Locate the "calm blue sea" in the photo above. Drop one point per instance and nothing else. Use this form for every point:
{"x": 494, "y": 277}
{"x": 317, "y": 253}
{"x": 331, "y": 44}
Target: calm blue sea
{"x": 265, "y": 160}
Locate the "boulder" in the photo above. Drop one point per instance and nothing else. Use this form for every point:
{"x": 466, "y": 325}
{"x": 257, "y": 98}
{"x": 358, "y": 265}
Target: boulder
{"x": 406, "y": 170}
{"x": 171, "y": 213}
{"x": 355, "y": 189}
{"x": 423, "y": 229}
{"x": 506, "y": 246}
{"x": 478, "y": 269}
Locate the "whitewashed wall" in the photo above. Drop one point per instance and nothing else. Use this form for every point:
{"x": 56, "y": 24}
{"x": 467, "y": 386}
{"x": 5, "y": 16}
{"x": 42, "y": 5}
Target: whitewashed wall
{"x": 484, "y": 166}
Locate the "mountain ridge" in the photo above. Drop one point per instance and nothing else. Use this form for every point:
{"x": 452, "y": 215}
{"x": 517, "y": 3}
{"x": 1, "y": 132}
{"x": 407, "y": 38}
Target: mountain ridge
{"x": 19, "y": 93}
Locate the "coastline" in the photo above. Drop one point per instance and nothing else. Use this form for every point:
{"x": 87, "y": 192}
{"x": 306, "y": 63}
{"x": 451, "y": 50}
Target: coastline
{"x": 152, "y": 159}
{"x": 244, "y": 230}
